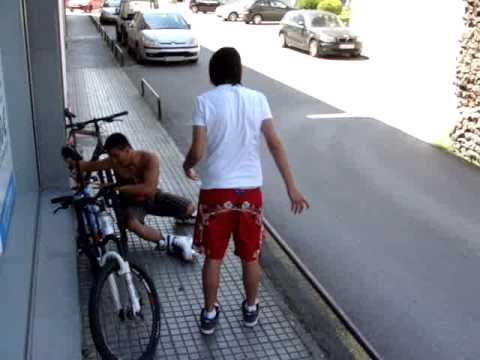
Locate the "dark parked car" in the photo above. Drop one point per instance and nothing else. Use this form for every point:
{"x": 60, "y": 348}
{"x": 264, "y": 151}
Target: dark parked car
{"x": 204, "y": 5}
{"x": 319, "y": 32}
{"x": 254, "y": 11}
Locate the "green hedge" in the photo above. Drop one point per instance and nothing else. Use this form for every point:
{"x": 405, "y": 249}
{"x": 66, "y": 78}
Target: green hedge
{"x": 307, "y": 4}
{"x": 334, "y": 6}
{"x": 345, "y": 15}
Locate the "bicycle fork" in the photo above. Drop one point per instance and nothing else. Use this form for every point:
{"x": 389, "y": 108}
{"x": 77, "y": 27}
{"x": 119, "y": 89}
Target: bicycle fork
{"x": 124, "y": 271}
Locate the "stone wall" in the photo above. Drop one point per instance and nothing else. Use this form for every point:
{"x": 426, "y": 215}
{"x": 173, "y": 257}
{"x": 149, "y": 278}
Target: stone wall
{"x": 465, "y": 135}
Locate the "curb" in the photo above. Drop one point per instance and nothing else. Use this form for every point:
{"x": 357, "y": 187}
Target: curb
{"x": 331, "y": 303}
{"x": 117, "y": 51}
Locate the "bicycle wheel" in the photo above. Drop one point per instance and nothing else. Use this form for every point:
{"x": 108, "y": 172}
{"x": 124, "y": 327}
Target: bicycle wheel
{"x": 120, "y": 334}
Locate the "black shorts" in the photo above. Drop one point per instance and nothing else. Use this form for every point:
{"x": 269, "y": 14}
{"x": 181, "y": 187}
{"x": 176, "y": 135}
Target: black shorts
{"x": 161, "y": 204}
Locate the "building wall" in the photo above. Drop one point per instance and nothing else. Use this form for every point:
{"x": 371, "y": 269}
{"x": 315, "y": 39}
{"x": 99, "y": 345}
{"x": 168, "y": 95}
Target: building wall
{"x": 33, "y": 87}
{"x": 413, "y": 45}
{"x": 44, "y": 45}
{"x": 17, "y": 85}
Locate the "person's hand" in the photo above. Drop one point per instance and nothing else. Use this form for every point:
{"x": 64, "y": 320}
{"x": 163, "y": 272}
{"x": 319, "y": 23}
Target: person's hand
{"x": 72, "y": 168}
{"x": 100, "y": 185}
{"x": 297, "y": 202}
{"x": 71, "y": 164}
{"x": 190, "y": 173}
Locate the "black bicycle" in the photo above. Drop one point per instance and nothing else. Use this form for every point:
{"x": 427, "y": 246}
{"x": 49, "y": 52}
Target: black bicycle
{"x": 70, "y": 151}
{"x": 124, "y": 309}
{"x": 73, "y": 128}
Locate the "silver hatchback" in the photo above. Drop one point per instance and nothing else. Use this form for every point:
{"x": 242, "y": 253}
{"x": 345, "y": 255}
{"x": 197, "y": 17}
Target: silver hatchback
{"x": 161, "y": 36}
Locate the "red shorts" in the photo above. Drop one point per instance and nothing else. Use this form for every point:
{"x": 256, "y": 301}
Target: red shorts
{"x": 223, "y": 212}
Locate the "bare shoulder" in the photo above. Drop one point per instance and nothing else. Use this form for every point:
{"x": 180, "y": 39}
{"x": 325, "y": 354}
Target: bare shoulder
{"x": 147, "y": 158}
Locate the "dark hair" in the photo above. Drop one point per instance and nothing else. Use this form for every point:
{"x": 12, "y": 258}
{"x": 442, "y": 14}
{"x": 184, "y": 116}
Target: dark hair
{"x": 225, "y": 67}
{"x": 116, "y": 141}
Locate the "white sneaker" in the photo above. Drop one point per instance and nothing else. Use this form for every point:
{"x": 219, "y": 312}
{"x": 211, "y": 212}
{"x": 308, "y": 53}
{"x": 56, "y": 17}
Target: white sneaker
{"x": 182, "y": 246}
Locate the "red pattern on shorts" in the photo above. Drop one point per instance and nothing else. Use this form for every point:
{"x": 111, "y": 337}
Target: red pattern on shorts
{"x": 223, "y": 212}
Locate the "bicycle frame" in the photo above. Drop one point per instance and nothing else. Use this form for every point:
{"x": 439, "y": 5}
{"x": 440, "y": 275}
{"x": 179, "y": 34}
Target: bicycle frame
{"x": 87, "y": 214}
{"x": 105, "y": 176}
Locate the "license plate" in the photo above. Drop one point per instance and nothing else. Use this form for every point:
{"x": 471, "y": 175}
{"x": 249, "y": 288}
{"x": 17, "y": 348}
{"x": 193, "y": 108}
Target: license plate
{"x": 174, "y": 58}
{"x": 347, "y": 46}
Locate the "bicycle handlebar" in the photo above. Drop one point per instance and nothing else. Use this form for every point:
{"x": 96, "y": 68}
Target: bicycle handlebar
{"x": 61, "y": 199}
{"x": 69, "y": 114}
{"x": 82, "y": 124}
{"x": 68, "y": 200}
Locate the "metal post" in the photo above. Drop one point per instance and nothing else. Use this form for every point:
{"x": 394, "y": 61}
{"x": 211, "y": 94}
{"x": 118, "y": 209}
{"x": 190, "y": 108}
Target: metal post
{"x": 159, "y": 107}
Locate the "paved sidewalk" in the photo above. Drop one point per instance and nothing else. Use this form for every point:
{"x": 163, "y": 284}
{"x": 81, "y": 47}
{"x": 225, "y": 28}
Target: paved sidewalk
{"x": 96, "y": 87}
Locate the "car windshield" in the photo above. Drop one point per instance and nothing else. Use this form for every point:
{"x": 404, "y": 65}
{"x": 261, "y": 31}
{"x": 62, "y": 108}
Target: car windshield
{"x": 111, "y": 3}
{"x": 331, "y": 21}
{"x": 165, "y": 21}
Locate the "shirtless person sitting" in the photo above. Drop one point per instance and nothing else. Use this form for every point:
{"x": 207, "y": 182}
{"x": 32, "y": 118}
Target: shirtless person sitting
{"x": 137, "y": 173}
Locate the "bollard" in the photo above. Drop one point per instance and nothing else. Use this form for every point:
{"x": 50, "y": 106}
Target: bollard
{"x": 118, "y": 53}
{"x": 145, "y": 85}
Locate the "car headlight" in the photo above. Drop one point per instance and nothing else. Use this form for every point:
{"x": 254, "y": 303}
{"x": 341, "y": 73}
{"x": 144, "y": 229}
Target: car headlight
{"x": 149, "y": 42}
{"x": 194, "y": 42}
{"x": 327, "y": 38}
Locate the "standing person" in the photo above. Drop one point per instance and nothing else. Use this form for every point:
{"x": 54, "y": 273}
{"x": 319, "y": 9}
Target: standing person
{"x": 227, "y": 124}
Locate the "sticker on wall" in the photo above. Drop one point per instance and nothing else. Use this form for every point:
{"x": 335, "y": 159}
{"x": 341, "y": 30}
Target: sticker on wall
{"x": 7, "y": 180}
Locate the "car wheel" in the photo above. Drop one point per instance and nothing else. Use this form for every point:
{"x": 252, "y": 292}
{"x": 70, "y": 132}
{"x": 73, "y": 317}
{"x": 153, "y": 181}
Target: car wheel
{"x": 195, "y": 9}
{"x": 282, "y": 40}
{"x": 233, "y": 16}
{"x": 314, "y": 48}
{"x": 257, "y": 19}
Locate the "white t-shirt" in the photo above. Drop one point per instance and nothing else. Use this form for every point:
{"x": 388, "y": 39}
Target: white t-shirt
{"x": 233, "y": 116}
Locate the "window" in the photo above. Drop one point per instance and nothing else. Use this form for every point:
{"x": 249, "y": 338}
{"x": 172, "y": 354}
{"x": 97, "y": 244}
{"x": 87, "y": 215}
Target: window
{"x": 326, "y": 21}
{"x": 263, "y": 3}
{"x": 279, "y": 4}
{"x": 111, "y": 3}
{"x": 165, "y": 21}
{"x": 137, "y": 18}
{"x": 298, "y": 19}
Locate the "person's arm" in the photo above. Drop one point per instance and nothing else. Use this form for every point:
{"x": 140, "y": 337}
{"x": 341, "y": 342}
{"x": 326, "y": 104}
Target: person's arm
{"x": 298, "y": 202}
{"x": 148, "y": 187}
{"x": 89, "y": 166}
{"x": 196, "y": 151}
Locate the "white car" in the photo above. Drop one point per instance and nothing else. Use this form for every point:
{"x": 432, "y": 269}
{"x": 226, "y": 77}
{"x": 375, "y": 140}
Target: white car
{"x": 161, "y": 36}
{"x": 110, "y": 10}
{"x": 127, "y": 10}
{"x": 233, "y": 10}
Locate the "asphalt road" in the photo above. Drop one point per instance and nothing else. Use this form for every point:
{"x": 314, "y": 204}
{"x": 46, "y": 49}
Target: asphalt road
{"x": 392, "y": 232}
